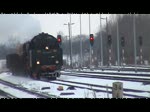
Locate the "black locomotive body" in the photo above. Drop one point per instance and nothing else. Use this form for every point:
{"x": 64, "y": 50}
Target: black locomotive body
{"x": 42, "y": 56}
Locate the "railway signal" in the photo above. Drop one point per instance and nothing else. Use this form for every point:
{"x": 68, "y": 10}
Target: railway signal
{"x": 122, "y": 41}
{"x": 59, "y": 39}
{"x": 122, "y": 49}
{"x": 141, "y": 50}
{"x": 109, "y": 40}
{"x": 140, "y": 41}
{"x": 91, "y": 39}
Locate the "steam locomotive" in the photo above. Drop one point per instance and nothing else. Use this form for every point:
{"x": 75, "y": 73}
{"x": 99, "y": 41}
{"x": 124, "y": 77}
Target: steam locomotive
{"x": 39, "y": 57}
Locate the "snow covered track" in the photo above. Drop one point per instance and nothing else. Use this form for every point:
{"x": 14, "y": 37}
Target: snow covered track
{"x": 81, "y": 87}
{"x": 98, "y": 88}
{"x": 111, "y": 76}
{"x": 85, "y": 87}
{"x": 5, "y": 95}
{"x": 122, "y": 68}
{"x": 101, "y": 86}
{"x": 28, "y": 93}
{"x": 125, "y": 73}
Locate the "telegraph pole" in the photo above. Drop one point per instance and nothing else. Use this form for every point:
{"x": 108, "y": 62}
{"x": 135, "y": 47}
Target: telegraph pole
{"x": 101, "y": 42}
{"x": 134, "y": 33}
{"x": 71, "y": 40}
{"x": 70, "y": 36}
{"x": 89, "y": 34}
{"x": 118, "y": 45}
{"x": 101, "y": 37}
{"x": 81, "y": 56}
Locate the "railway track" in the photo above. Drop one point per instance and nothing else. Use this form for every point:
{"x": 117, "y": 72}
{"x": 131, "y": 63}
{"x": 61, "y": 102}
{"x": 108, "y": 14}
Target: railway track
{"x": 4, "y": 94}
{"x": 123, "y": 68}
{"x": 111, "y": 76}
{"x": 98, "y": 88}
{"x": 125, "y": 73}
{"x": 24, "y": 90}
{"x": 93, "y": 87}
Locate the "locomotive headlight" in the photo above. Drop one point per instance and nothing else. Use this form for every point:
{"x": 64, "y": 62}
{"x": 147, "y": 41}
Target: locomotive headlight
{"x": 46, "y": 48}
{"x": 57, "y": 62}
{"x": 38, "y": 62}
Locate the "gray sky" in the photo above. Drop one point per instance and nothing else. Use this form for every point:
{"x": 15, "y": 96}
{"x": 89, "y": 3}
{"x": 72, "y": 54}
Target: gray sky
{"x": 53, "y": 23}
{"x": 24, "y": 26}
{"x": 19, "y": 27}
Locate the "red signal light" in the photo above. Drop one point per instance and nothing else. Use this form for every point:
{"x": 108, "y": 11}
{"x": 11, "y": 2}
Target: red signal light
{"x": 59, "y": 38}
{"x": 91, "y": 39}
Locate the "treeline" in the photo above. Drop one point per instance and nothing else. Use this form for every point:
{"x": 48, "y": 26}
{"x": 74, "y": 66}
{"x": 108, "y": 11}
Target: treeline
{"x": 125, "y": 27}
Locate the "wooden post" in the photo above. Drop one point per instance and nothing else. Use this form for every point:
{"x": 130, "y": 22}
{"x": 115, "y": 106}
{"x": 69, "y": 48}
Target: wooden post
{"x": 117, "y": 90}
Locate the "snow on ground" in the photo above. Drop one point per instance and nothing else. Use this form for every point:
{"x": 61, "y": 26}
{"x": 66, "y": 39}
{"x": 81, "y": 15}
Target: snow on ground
{"x": 35, "y": 85}
{"x": 78, "y": 93}
{"x": 2, "y": 63}
{"x": 126, "y": 84}
{"x": 112, "y": 71}
{"x": 108, "y": 71}
{"x": 105, "y": 82}
{"x": 3, "y": 66}
{"x": 138, "y": 76}
{"x": 16, "y": 93}
{"x": 51, "y": 89}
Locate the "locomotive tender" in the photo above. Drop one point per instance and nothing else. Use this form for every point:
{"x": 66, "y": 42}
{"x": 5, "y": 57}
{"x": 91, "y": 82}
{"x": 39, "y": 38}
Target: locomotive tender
{"x": 40, "y": 57}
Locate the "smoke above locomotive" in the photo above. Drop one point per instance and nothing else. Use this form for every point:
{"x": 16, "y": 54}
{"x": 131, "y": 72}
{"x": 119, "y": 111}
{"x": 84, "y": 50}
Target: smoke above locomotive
{"x": 18, "y": 26}
{"x": 39, "y": 57}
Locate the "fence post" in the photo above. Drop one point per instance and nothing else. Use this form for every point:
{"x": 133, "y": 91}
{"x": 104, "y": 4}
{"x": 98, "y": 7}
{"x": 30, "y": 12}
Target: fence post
{"x": 117, "y": 90}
